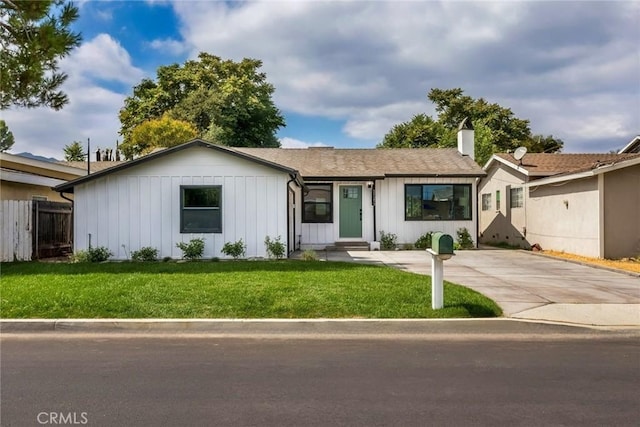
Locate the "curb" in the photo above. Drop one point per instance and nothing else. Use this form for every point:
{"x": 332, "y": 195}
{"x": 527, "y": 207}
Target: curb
{"x": 355, "y": 328}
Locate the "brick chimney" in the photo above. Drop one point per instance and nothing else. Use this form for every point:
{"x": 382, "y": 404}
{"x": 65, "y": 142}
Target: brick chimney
{"x": 466, "y": 144}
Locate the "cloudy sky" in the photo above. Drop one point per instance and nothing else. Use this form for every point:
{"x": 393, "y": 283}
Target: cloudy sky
{"x": 346, "y": 71}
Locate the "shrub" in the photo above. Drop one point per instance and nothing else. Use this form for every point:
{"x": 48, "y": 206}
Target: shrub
{"x": 309, "y": 255}
{"x": 146, "y": 253}
{"x": 387, "y": 241}
{"x": 424, "y": 241}
{"x": 236, "y": 249}
{"x": 98, "y": 254}
{"x": 275, "y": 248}
{"x": 407, "y": 246}
{"x": 167, "y": 259}
{"x": 192, "y": 250}
{"x": 464, "y": 239}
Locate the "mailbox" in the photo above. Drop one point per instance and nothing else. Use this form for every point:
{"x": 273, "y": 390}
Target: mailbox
{"x": 442, "y": 244}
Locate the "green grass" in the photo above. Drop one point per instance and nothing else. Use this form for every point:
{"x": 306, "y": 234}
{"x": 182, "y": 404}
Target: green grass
{"x": 238, "y": 289}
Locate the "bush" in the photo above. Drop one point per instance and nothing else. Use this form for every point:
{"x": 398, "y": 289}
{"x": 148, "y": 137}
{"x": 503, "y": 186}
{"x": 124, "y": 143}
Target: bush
{"x": 236, "y": 250}
{"x": 275, "y": 248}
{"x": 98, "y": 254}
{"x": 192, "y": 250}
{"x": 146, "y": 253}
{"x": 424, "y": 241}
{"x": 407, "y": 246}
{"x": 464, "y": 239}
{"x": 388, "y": 241}
{"x": 309, "y": 255}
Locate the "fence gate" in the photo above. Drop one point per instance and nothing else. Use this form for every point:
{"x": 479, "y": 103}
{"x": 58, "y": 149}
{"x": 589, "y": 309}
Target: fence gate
{"x": 52, "y": 229}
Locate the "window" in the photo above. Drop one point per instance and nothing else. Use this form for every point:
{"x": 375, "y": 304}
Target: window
{"x": 425, "y": 202}
{"x": 497, "y": 200}
{"x": 200, "y": 209}
{"x": 516, "y": 197}
{"x": 317, "y": 203}
{"x": 486, "y": 201}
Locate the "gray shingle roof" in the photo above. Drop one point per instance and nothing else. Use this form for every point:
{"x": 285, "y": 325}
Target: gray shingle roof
{"x": 370, "y": 163}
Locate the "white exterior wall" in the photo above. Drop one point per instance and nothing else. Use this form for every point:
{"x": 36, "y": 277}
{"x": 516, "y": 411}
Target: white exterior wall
{"x": 140, "y": 206}
{"x": 16, "y": 217}
{"x": 391, "y": 210}
{"x": 318, "y": 236}
{"x": 572, "y": 227}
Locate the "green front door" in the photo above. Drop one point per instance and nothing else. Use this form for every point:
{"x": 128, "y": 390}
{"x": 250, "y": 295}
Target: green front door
{"x": 350, "y": 211}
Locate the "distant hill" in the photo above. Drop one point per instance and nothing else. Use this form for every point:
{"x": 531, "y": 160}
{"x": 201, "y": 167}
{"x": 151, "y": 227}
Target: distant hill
{"x": 36, "y": 157}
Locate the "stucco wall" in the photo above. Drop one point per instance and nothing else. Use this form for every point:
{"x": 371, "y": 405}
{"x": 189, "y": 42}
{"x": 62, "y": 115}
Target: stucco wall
{"x": 622, "y": 213}
{"x": 19, "y": 191}
{"x": 140, "y": 206}
{"x": 565, "y": 217}
{"x": 505, "y": 224}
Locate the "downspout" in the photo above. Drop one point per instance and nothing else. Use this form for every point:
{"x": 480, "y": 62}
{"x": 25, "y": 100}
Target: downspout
{"x": 290, "y": 191}
{"x": 373, "y": 203}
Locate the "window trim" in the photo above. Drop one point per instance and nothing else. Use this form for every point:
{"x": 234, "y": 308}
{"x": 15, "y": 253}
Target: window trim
{"x": 329, "y": 203}
{"x": 184, "y": 230}
{"x": 486, "y": 196}
{"x": 469, "y": 186}
{"x": 521, "y": 198}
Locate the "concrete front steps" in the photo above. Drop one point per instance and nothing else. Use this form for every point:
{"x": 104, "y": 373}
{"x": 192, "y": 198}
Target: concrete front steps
{"x": 348, "y": 246}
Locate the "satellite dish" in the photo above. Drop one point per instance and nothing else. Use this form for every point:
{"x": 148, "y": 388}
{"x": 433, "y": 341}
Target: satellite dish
{"x": 519, "y": 153}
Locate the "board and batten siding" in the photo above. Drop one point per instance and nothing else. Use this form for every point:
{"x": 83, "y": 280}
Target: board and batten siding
{"x": 390, "y": 210}
{"x": 318, "y": 236}
{"x": 140, "y": 206}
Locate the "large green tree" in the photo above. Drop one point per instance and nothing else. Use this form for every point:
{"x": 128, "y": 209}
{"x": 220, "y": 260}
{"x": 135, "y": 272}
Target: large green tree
{"x": 34, "y": 35}
{"x": 6, "y": 137}
{"x": 497, "y": 129}
{"x": 157, "y": 133}
{"x": 227, "y": 102}
{"x": 74, "y": 152}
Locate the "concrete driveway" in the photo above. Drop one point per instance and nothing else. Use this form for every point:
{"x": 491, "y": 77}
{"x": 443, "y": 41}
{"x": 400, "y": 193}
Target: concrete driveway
{"x": 528, "y": 285}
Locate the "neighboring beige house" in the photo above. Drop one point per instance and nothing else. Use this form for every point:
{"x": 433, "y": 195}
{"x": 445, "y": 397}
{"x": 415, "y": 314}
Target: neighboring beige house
{"x": 30, "y": 179}
{"x": 585, "y": 204}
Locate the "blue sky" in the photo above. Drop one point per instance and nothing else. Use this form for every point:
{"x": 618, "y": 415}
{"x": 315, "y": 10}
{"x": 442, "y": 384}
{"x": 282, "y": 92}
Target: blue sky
{"x": 346, "y": 71}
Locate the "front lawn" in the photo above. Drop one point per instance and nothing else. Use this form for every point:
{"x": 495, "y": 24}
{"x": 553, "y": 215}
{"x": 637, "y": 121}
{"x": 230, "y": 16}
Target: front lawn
{"x": 234, "y": 289}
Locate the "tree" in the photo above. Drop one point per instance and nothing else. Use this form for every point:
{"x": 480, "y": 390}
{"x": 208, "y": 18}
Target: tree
{"x": 162, "y": 132}
{"x": 496, "y": 127}
{"x": 227, "y": 102}
{"x": 6, "y": 137}
{"x": 34, "y": 35}
{"x": 74, "y": 152}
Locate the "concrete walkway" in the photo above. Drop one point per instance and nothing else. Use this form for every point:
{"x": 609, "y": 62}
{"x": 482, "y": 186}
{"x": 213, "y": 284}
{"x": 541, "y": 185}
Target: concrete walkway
{"x": 528, "y": 285}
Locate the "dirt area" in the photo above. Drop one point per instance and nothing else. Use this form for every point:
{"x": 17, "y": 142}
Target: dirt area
{"x": 627, "y": 264}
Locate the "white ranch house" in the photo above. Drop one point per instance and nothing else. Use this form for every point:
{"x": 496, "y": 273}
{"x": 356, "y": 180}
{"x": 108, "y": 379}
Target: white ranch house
{"x": 311, "y": 198}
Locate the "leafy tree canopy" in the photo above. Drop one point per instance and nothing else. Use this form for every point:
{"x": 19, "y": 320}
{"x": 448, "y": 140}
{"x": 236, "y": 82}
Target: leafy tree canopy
{"x": 156, "y": 133}
{"x": 496, "y": 127}
{"x": 226, "y": 102}
{"x": 6, "y": 137}
{"x": 34, "y": 35}
{"x": 74, "y": 152}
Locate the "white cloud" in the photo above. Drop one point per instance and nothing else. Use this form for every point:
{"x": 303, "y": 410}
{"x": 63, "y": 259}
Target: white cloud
{"x": 92, "y": 109}
{"x": 103, "y": 58}
{"x": 174, "y": 47}
{"x": 296, "y": 143}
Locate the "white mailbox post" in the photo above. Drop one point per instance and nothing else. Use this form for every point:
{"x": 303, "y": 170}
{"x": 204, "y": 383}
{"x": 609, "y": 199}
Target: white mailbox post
{"x": 441, "y": 250}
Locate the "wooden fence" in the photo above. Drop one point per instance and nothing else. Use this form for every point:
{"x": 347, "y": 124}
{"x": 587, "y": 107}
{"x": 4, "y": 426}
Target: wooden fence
{"x": 16, "y": 220}
{"x": 35, "y": 230}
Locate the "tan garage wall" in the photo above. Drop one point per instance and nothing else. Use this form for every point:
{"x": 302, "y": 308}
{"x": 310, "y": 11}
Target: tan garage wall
{"x": 622, "y": 213}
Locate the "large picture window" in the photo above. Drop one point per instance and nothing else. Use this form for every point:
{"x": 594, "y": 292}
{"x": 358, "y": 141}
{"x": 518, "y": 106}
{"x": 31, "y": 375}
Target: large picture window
{"x": 200, "y": 209}
{"x": 437, "y": 202}
{"x": 317, "y": 201}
